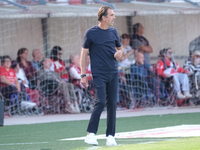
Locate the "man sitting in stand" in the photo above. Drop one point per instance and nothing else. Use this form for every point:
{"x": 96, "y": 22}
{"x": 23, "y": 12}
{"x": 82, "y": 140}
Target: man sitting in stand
{"x": 141, "y": 71}
{"x": 48, "y": 75}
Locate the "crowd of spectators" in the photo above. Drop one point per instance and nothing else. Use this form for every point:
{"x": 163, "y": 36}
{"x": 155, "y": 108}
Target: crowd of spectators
{"x": 23, "y": 76}
{"x": 146, "y": 79}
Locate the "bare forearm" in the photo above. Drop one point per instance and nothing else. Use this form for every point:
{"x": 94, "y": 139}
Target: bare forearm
{"x": 150, "y": 49}
{"x": 122, "y": 50}
{"x": 84, "y": 53}
{"x": 5, "y": 80}
{"x": 17, "y": 84}
{"x": 147, "y": 49}
{"x": 126, "y": 56}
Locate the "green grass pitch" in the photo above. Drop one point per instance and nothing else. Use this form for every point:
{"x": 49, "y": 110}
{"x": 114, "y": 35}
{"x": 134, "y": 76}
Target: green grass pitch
{"x": 47, "y": 136}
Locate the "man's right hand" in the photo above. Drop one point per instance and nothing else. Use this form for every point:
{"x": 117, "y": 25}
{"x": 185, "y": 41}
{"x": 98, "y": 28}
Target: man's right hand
{"x": 84, "y": 81}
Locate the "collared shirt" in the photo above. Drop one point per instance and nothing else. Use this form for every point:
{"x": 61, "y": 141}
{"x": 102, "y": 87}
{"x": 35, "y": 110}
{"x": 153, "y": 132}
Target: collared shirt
{"x": 142, "y": 70}
{"x": 35, "y": 64}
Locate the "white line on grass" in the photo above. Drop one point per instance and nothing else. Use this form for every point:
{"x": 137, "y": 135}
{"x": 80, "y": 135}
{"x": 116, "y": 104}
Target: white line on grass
{"x": 144, "y": 140}
{"x": 24, "y": 143}
{"x": 147, "y": 142}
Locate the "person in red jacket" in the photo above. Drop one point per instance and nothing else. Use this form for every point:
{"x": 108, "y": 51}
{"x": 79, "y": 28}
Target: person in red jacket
{"x": 59, "y": 64}
{"x": 166, "y": 68}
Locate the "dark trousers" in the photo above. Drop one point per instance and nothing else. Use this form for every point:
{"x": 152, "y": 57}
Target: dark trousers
{"x": 9, "y": 90}
{"x": 106, "y": 86}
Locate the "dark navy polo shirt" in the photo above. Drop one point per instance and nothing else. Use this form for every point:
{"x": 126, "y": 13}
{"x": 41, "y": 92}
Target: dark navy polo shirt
{"x": 101, "y": 44}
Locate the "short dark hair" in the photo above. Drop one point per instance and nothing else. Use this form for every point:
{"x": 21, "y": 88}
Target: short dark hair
{"x": 5, "y": 57}
{"x": 136, "y": 27}
{"x": 103, "y": 11}
{"x": 14, "y": 64}
{"x": 124, "y": 36}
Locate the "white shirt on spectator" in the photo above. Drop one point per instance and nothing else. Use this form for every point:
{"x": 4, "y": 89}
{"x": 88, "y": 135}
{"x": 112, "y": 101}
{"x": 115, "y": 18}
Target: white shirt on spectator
{"x": 21, "y": 76}
{"x": 52, "y": 66}
{"x": 126, "y": 62}
{"x": 74, "y": 73}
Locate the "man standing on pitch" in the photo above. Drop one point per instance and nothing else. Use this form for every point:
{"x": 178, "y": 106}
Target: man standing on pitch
{"x": 103, "y": 45}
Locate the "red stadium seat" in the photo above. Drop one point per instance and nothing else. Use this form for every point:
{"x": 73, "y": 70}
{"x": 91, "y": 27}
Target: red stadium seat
{"x": 75, "y": 2}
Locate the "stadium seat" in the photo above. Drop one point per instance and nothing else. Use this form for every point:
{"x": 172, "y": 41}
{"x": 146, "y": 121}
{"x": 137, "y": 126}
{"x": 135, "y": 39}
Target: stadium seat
{"x": 75, "y": 2}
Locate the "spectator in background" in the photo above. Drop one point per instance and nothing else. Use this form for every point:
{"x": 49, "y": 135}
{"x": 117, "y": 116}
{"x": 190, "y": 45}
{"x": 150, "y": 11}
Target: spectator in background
{"x": 59, "y": 64}
{"x": 167, "y": 67}
{"x": 9, "y": 82}
{"x": 37, "y": 58}
{"x": 141, "y": 43}
{"x": 33, "y": 94}
{"x": 128, "y": 58}
{"x": 193, "y": 65}
{"x": 47, "y": 75}
{"x": 143, "y": 71}
{"x": 28, "y": 68}
{"x": 75, "y": 70}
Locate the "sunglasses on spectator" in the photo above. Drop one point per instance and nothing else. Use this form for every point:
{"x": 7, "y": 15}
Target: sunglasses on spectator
{"x": 169, "y": 53}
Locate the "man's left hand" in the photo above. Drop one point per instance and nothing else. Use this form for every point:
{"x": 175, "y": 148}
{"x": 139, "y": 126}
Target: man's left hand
{"x": 118, "y": 54}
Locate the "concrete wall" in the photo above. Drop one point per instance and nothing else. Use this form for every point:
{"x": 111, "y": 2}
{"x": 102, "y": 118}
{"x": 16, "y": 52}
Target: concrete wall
{"x": 18, "y": 33}
{"x": 175, "y": 31}
{"x": 69, "y": 32}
